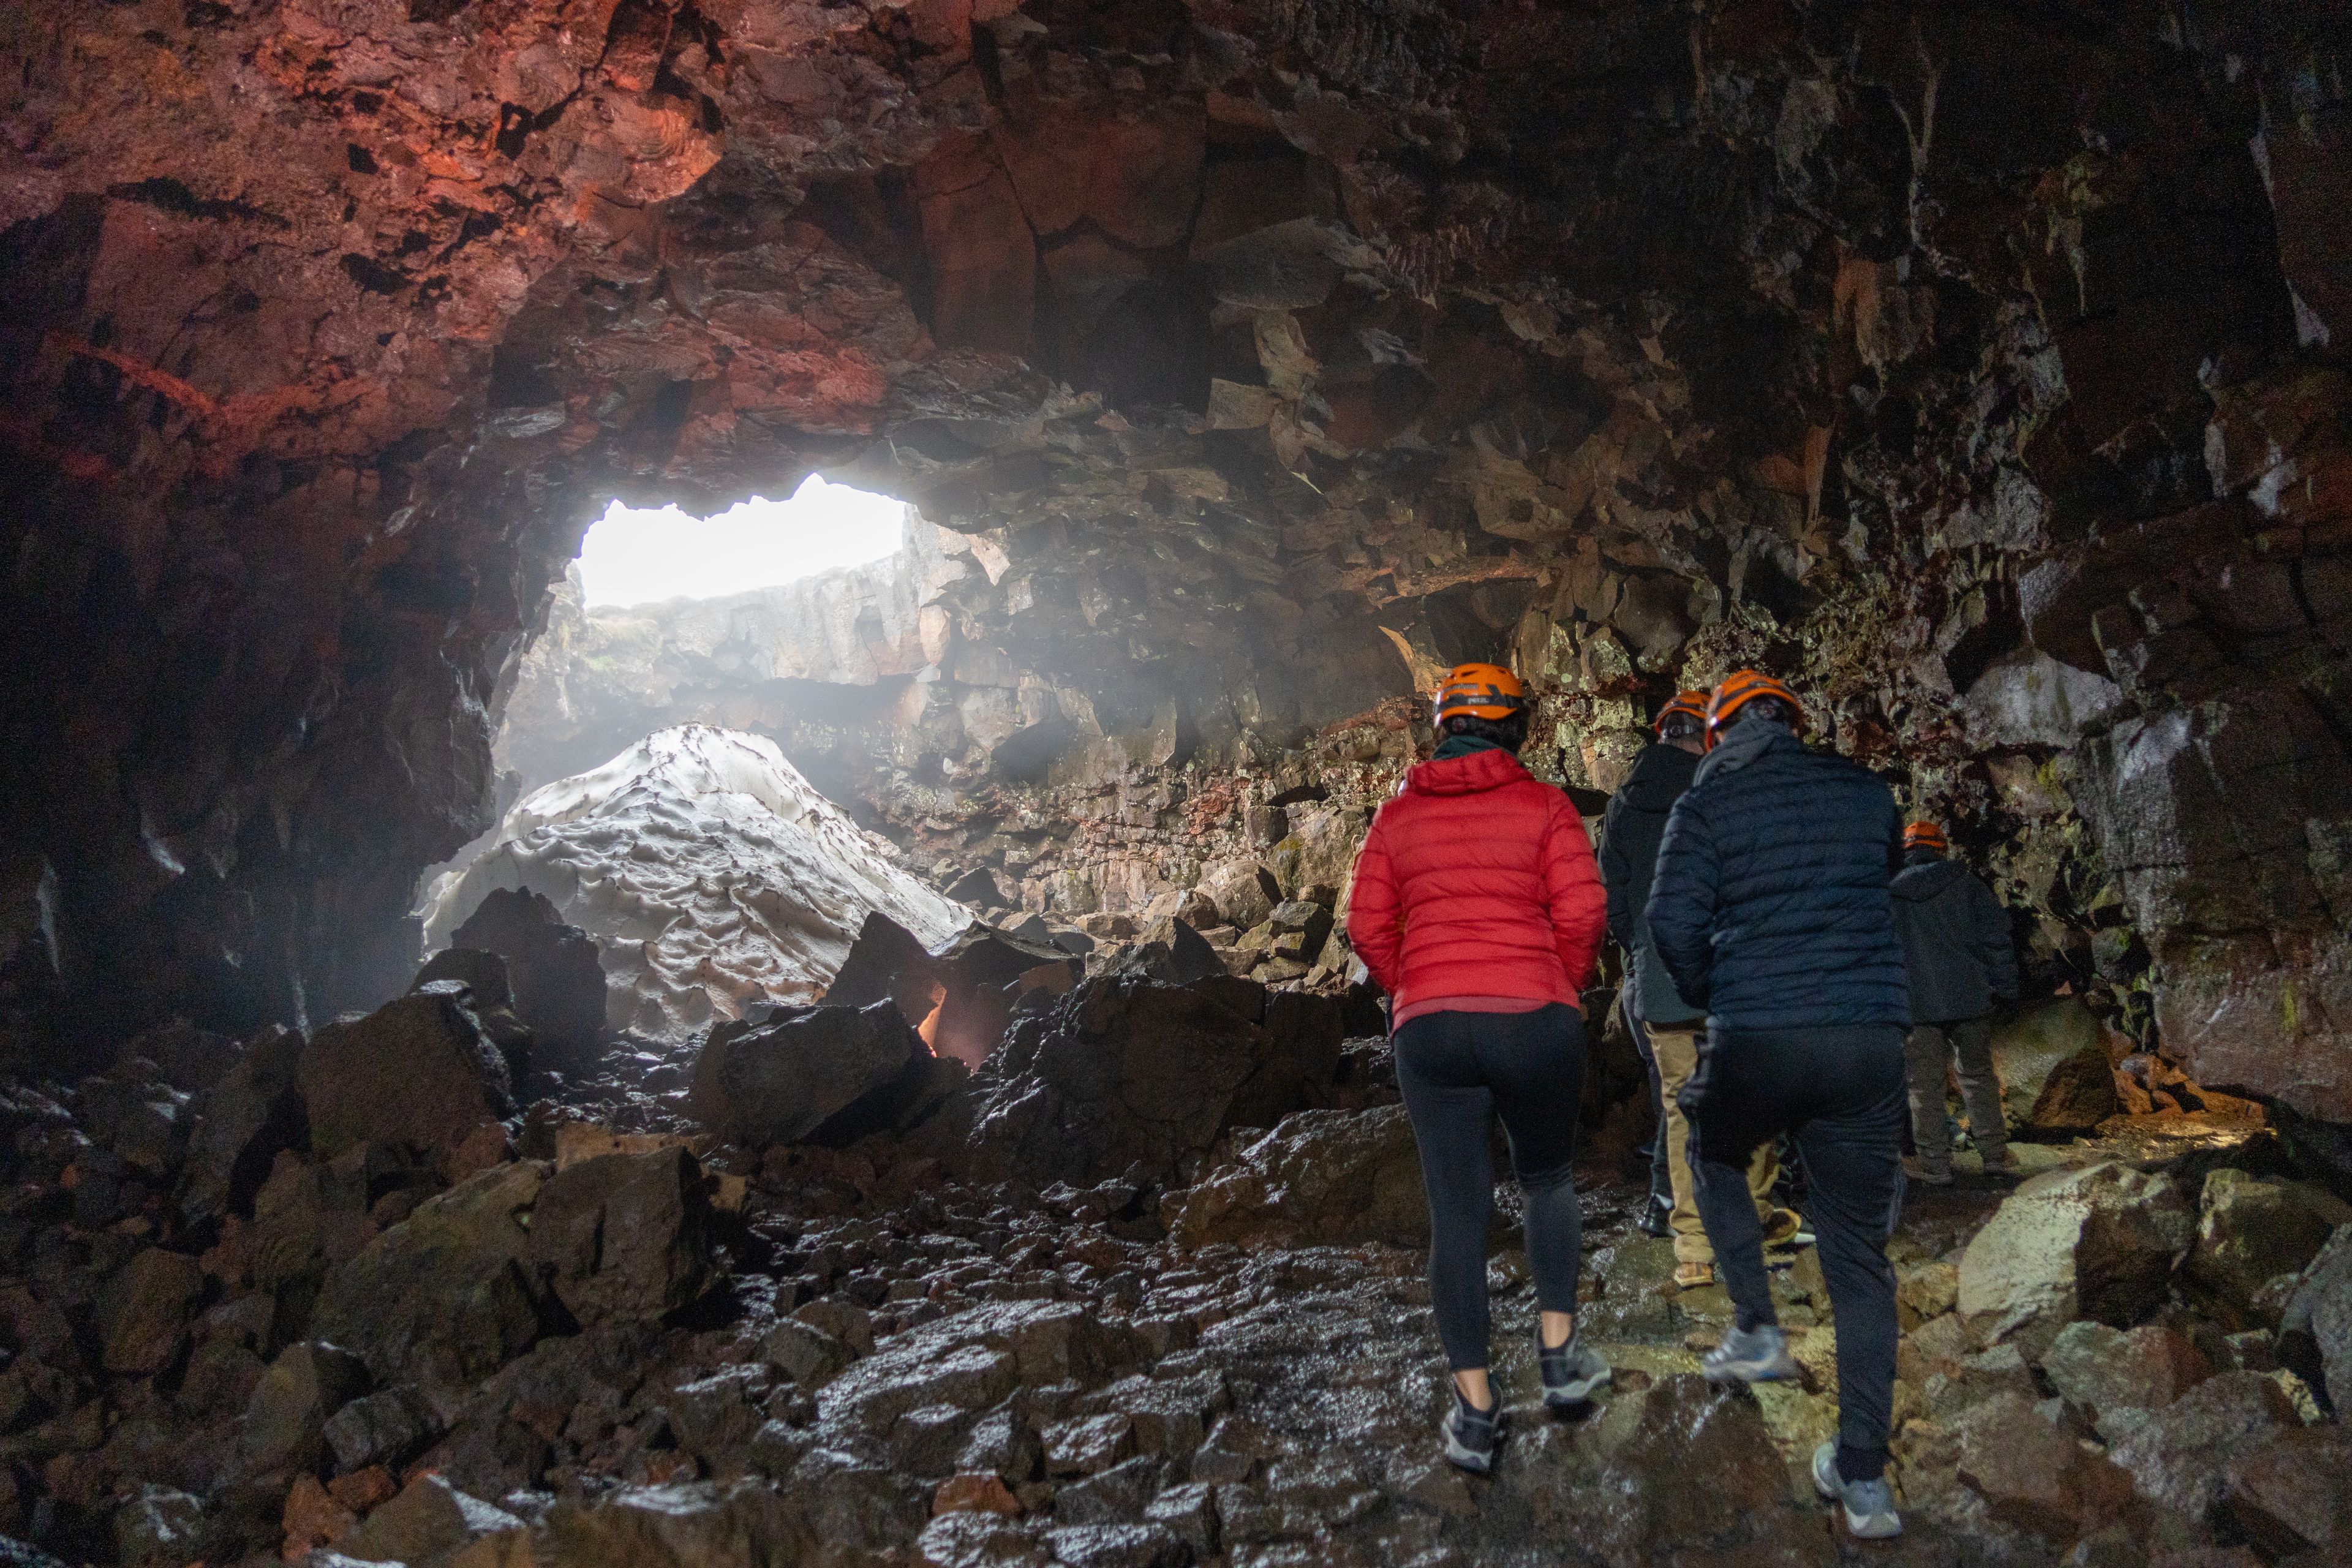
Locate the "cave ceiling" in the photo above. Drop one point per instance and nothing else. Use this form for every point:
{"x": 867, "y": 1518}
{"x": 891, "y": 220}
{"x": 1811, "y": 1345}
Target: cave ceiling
{"x": 1270, "y": 352}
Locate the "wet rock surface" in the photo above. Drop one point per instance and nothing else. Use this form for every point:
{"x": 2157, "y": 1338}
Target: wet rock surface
{"x": 927, "y": 1344}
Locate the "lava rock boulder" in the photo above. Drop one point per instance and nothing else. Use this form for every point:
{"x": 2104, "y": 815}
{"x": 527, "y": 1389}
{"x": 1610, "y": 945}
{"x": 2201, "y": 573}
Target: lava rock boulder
{"x": 1321, "y": 1178}
{"x": 417, "y": 1071}
{"x": 554, "y": 971}
{"x": 1128, "y": 1072}
{"x": 2097, "y": 1243}
{"x": 820, "y": 1075}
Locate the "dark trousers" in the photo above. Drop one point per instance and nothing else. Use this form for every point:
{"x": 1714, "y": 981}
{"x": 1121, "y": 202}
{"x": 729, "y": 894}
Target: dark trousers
{"x": 1661, "y": 1177}
{"x": 1840, "y": 1096}
{"x": 1458, "y": 1070}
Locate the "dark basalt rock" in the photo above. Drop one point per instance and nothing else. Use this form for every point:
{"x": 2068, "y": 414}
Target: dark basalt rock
{"x": 823, "y": 1075}
{"x": 1127, "y": 1074}
{"x": 556, "y": 979}
{"x": 416, "y": 1072}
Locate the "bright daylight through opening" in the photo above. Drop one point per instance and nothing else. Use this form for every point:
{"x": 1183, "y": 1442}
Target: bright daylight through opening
{"x": 637, "y": 556}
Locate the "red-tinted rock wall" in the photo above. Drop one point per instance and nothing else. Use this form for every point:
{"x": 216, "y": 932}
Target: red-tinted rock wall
{"x": 1270, "y": 355}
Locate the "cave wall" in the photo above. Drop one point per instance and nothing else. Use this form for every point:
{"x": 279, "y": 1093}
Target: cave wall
{"x": 1978, "y": 366}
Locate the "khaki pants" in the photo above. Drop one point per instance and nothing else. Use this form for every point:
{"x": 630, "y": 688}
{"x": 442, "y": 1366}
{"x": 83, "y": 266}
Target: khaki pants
{"x": 1677, "y": 1055}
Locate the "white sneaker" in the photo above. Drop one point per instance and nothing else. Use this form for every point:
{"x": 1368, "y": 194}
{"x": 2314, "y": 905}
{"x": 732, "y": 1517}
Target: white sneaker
{"x": 1751, "y": 1355}
{"x": 1869, "y": 1505}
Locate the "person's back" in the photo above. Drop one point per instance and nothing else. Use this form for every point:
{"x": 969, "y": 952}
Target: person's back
{"x": 1796, "y": 928}
{"x": 1476, "y": 907}
{"x": 1957, "y": 946}
{"x": 1630, "y": 834}
{"x": 1479, "y": 852}
{"x": 1955, "y": 938}
{"x": 1770, "y": 908}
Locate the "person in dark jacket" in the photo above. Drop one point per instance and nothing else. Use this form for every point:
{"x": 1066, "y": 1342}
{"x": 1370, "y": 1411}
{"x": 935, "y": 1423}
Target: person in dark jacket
{"x": 1955, "y": 942}
{"x": 1770, "y": 909}
{"x": 1665, "y": 1029}
{"x": 1477, "y": 907}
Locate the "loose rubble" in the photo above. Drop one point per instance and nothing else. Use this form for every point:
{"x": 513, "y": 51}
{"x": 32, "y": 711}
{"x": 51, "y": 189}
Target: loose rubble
{"x": 1144, "y": 1289}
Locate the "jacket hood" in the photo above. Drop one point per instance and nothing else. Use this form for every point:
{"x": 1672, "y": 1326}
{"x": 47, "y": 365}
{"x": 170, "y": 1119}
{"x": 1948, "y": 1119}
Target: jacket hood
{"x": 1472, "y": 775}
{"x": 1742, "y": 745}
{"x": 1660, "y": 775}
{"x": 1921, "y": 882}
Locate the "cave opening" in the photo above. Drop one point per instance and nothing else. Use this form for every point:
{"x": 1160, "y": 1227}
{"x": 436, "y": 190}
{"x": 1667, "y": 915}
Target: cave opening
{"x": 1191, "y": 386}
{"x": 640, "y": 555}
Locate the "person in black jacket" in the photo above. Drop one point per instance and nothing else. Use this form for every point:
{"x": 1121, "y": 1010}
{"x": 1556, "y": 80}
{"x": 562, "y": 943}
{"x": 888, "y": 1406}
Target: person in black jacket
{"x": 1770, "y": 909}
{"x": 1665, "y": 1027}
{"x": 1956, "y": 941}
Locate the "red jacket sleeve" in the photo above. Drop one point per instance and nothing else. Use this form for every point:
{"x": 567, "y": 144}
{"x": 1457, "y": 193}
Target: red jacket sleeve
{"x": 1375, "y": 914}
{"x": 1579, "y": 908}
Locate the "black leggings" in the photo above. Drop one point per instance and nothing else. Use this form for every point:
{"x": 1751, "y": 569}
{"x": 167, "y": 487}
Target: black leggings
{"x": 1842, "y": 1095}
{"x": 1458, "y": 1070}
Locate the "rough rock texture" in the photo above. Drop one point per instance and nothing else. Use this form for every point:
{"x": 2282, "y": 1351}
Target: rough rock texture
{"x": 711, "y": 873}
{"x": 621, "y": 1340}
{"x": 2098, "y": 1243}
{"x": 808, "y": 1074}
{"x": 1129, "y": 1074}
{"x": 554, "y": 981}
{"x": 417, "y": 1072}
{"x": 1320, "y": 1178}
{"x": 1979, "y": 369}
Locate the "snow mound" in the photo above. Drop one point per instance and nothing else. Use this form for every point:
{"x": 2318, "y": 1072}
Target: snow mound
{"x": 712, "y": 873}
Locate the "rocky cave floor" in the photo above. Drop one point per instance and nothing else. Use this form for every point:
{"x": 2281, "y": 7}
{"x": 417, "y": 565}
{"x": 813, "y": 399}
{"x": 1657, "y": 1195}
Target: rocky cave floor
{"x": 241, "y": 1333}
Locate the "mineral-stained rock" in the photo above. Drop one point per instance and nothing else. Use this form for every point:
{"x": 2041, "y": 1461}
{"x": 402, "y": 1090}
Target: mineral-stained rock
{"x": 711, "y": 873}
{"x": 441, "y": 1300}
{"x": 416, "y": 1072}
{"x": 429, "y": 1520}
{"x": 1320, "y": 1178}
{"x": 284, "y": 1423}
{"x": 2101, "y": 1371}
{"x": 2054, "y": 1039}
{"x": 819, "y": 1074}
{"x": 2250, "y": 1231}
{"x": 2181, "y": 1456}
{"x": 2291, "y": 1495}
{"x": 555, "y": 974}
{"x": 250, "y": 1112}
{"x": 387, "y": 1428}
{"x": 1126, "y": 1072}
{"x": 2099, "y": 1242}
{"x": 2034, "y": 1475}
{"x": 624, "y": 1236}
{"x": 143, "y": 1310}
{"x": 1650, "y": 1509}
{"x": 2315, "y": 1330}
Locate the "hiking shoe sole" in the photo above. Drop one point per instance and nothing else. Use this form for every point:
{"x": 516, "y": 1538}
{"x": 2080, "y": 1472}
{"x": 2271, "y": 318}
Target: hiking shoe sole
{"x": 1876, "y": 1520}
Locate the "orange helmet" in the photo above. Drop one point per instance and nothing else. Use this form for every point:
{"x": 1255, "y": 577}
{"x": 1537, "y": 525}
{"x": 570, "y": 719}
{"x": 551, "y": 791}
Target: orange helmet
{"x": 1738, "y": 690}
{"x": 1926, "y": 835}
{"x": 1692, "y": 703}
{"x": 1480, "y": 691}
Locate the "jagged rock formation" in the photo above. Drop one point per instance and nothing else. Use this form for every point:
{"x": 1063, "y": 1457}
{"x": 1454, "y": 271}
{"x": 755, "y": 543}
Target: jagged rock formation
{"x": 1981, "y": 369}
{"x": 708, "y": 870}
{"x": 601, "y": 1334}
{"x": 1977, "y": 369}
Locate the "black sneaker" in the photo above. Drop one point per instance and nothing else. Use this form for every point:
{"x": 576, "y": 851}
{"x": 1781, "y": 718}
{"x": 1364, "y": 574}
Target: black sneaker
{"x": 1656, "y": 1216}
{"x": 1469, "y": 1433}
{"x": 1572, "y": 1373}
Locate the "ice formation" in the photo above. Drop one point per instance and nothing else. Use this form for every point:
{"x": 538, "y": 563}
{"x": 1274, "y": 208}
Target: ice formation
{"x": 713, "y": 874}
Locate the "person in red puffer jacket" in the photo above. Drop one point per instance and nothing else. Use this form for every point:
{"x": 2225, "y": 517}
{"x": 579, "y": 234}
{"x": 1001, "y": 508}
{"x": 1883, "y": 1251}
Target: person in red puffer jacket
{"x": 1478, "y": 909}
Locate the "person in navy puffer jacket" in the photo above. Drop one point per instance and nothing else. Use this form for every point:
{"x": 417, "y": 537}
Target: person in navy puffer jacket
{"x": 1770, "y": 909}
